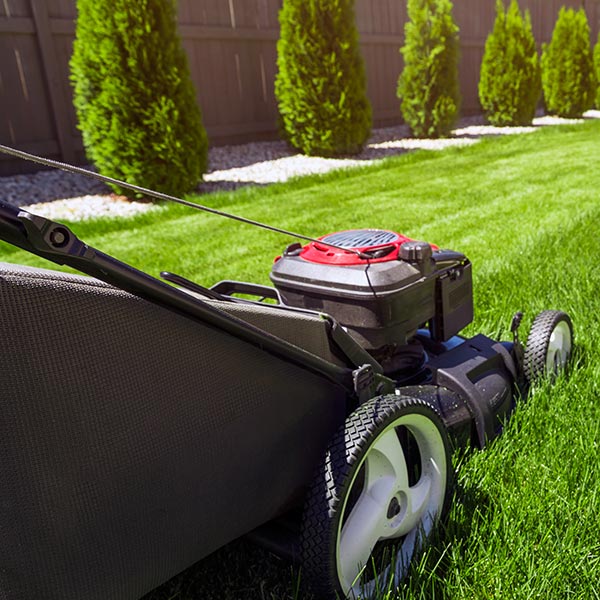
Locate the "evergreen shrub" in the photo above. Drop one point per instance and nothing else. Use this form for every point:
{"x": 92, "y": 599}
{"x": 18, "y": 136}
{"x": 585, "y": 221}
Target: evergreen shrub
{"x": 510, "y": 80}
{"x": 428, "y": 86}
{"x": 321, "y": 84}
{"x": 597, "y": 71}
{"x": 133, "y": 95}
{"x": 568, "y": 77}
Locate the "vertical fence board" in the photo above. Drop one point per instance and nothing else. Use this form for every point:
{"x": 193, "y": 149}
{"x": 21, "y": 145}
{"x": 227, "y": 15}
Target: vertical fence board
{"x": 379, "y": 21}
{"x": 15, "y": 8}
{"x": 269, "y": 54}
{"x": 27, "y": 102}
{"x": 61, "y": 9}
{"x": 52, "y": 76}
{"x": 262, "y": 15}
{"x": 364, "y": 15}
{"x": 274, "y": 7}
{"x": 214, "y": 86}
{"x": 64, "y": 49}
{"x": 245, "y": 11}
{"x": 183, "y": 11}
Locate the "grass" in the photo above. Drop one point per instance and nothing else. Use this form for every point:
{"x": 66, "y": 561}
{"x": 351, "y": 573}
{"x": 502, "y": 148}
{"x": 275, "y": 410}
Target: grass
{"x": 525, "y": 210}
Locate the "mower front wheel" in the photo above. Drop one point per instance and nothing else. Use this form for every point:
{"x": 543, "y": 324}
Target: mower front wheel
{"x": 380, "y": 490}
{"x": 549, "y": 345}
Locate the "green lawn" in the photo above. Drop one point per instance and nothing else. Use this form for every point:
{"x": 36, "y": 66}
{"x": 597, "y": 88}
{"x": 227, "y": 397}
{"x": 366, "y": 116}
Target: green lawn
{"x": 526, "y": 210}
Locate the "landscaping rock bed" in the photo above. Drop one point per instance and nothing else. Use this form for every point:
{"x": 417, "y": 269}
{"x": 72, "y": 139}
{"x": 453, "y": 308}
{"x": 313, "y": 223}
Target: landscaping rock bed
{"x": 60, "y": 195}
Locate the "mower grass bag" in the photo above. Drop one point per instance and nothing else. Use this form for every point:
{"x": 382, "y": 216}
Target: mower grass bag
{"x": 146, "y": 423}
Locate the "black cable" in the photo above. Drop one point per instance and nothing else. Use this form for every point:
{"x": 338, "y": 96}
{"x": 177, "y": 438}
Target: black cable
{"x": 369, "y": 279}
{"x": 47, "y": 162}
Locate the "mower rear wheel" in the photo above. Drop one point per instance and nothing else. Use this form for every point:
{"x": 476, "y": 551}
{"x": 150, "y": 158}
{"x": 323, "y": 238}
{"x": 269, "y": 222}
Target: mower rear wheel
{"x": 549, "y": 345}
{"x": 380, "y": 490}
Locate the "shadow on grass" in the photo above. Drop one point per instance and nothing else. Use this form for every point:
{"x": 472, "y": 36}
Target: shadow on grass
{"x": 243, "y": 571}
{"x": 431, "y": 575}
{"x": 238, "y": 571}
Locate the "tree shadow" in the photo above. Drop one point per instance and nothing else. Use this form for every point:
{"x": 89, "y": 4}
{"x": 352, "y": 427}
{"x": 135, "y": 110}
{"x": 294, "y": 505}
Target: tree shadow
{"x": 429, "y": 576}
{"x": 49, "y": 185}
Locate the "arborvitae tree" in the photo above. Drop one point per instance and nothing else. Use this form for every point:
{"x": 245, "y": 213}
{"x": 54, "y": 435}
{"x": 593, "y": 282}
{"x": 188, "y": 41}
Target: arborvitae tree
{"x": 134, "y": 97}
{"x": 510, "y": 81}
{"x": 597, "y": 71}
{"x": 567, "y": 66}
{"x": 321, "y": 84}
{"x": 428, "y": 86}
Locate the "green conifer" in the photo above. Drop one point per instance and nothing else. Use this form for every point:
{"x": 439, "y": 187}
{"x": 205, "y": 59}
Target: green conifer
{"x": 510, "y": 80}
{"x": 567, "y": 66}
{"x": 428, "y": 86}
{"x": 321, "y": 85}
{"x": 597, "y": 71}
{"x": 134, "y": 97}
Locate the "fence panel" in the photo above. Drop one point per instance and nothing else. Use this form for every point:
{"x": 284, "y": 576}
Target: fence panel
{"x": 231, "y": 45}
{"x": 27, "y": 117}
{"x": 381, "y": 27}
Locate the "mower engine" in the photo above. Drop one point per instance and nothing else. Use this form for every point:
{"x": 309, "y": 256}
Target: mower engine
{"x": 383, "y": 292}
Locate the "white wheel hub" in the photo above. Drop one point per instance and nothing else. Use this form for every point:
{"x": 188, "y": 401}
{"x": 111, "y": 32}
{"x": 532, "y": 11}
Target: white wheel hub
{"x": 388, "y": 506}
{"x": 559, "y": 348}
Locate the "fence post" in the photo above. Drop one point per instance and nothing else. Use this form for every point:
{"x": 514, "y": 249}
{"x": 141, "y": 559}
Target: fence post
{"x": 50, "y": 69}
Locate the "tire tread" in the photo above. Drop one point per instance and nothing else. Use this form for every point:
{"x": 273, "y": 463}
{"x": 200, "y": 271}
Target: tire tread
{"x": 534, "y": 359}
{"x": 324, "y": 496}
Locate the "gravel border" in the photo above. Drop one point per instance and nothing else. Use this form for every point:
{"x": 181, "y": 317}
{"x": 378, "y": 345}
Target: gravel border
{"x": 60, "y": 195}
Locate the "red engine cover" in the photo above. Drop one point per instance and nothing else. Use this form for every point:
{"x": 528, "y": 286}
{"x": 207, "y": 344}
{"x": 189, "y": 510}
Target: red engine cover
{"x": 379, "y": 244}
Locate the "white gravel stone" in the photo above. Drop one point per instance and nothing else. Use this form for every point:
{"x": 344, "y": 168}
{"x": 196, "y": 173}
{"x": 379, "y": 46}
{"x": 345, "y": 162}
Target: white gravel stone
{"x": 424, "y": 144}
{"x": 477, "y": 131}
{"x": 542, "y": 121}
{"x": 90, "y": 207}
{"x": 282, "y": 169}
{"x": 552, "y": 120}
{"x": 592, "y": 114}
{"x": 59, "y": 195}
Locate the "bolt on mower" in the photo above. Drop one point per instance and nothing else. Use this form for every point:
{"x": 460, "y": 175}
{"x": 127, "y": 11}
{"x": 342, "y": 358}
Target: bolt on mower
{"x": 147, "y": 422}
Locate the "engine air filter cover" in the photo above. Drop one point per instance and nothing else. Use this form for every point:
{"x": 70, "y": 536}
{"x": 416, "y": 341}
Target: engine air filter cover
{"x": 378, "y": 245}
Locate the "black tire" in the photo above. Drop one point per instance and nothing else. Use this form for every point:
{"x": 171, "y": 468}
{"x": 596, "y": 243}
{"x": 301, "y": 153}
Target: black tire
{"x": 549, "y": 345}
{"x": 341, "y": 521}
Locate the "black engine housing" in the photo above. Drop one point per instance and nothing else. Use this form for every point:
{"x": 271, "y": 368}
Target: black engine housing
{"x": 383, "y": 301}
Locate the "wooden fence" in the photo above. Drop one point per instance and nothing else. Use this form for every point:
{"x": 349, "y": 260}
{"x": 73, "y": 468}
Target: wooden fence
{"x": 231, "y": 45}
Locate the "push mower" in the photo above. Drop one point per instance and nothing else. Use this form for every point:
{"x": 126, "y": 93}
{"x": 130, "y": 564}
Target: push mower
{"x": 147, "y": 422}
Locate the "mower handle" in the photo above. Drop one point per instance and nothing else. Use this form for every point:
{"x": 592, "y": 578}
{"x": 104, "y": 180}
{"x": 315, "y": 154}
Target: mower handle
{"x": 57, "y": 243}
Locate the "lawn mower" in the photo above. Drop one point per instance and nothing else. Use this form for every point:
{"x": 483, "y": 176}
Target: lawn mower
{"x": 147, "y": 422}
